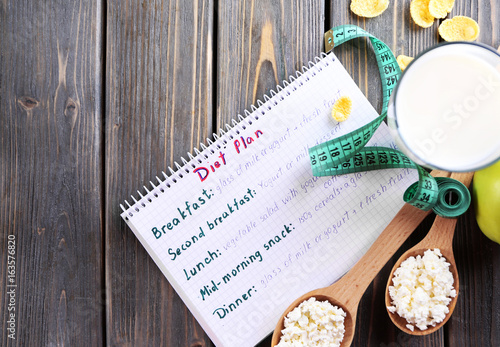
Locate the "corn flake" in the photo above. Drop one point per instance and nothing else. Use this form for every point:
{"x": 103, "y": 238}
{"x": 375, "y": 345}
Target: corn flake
{"x": 419, "y": 10}
{"x": 440, "y": 8}
{"x": 403, "y": 61}
{"x": 459, "y": 28}
{"x": 342, "y": 109}
{"x": 369, "y": 8}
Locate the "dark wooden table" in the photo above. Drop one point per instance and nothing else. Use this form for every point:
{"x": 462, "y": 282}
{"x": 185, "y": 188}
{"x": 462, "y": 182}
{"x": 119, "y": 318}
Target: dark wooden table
{"x": 98, "y": 98}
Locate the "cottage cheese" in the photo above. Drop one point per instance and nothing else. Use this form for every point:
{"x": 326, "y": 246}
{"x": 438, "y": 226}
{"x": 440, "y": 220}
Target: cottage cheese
{"x": 422, "y": 290}
{"x": 313, "y": 323}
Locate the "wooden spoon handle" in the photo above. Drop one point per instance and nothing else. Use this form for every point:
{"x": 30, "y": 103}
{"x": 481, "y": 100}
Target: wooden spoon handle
{"x": 440, "y": 235}
{"x": 443, "y": 229}
{"x": 389, "y": 241}
{"x": 464, "y": 177}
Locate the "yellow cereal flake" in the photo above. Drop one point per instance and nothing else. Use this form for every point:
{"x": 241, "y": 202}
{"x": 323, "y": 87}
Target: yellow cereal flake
{"x": 342, "y": 109}
{"x": 369, "y": 8}
{"x": 403, "y": 61}
{"x": 419, "y": 10}
{"x": 459, "y": 28}
{"x": 440, "y": 8}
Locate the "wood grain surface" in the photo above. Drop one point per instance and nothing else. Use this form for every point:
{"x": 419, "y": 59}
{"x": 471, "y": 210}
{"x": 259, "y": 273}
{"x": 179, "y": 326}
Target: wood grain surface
{"x": 260, "y": 43}
{"x": 51, "y": 171}
{"x": 158, "y": 107}
{"x": 97, "y": 98}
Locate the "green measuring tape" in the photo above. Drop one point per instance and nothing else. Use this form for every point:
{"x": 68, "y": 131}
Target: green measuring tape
{"x": 348, "y": 153}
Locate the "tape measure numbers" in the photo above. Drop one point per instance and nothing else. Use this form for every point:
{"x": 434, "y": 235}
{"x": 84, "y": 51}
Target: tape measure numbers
{"x": 387, "y": 63}
{"x": 348, "y": 154}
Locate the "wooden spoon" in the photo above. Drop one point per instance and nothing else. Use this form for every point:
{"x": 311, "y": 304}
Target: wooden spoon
{"x": 439, "y": 236}
{"x": 348, "y": 291}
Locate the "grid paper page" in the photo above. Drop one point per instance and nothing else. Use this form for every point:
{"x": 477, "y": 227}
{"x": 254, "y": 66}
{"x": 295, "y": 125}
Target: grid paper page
{"x": 248, "y": 229}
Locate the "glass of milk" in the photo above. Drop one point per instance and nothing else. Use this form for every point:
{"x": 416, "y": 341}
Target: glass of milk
{"x": 445, "y": 110}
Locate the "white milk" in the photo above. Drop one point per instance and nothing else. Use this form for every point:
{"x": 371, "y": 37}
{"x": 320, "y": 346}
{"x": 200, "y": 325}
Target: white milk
{"x": 447, "y": 107}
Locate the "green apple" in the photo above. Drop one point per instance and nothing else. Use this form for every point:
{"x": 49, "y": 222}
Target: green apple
{"x": 486, "y": 197}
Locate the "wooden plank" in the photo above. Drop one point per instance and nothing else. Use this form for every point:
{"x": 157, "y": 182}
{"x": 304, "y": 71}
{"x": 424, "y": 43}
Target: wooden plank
{"x": 396, "y": 28}
{"x": 260, "y": 44}
{"x": 50, "y": 172}
{"x": 158, "y": 107}
{"x": 476, "y": 320}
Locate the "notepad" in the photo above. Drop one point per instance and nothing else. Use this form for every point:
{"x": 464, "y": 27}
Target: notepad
{"x": 241, "y": 228}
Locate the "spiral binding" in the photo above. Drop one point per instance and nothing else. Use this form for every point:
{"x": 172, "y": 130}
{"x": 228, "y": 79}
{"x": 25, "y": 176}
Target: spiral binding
{"x": 224, "y": 137}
